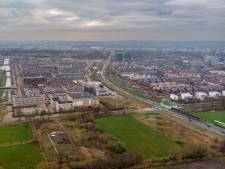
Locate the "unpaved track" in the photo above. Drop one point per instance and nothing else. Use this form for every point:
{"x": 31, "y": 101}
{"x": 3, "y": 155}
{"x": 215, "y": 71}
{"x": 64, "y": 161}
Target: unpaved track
{"x": 199, "y": 165}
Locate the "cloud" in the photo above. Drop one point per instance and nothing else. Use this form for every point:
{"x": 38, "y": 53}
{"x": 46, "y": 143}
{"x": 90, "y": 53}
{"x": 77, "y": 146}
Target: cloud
{"x": 102, "y": 19}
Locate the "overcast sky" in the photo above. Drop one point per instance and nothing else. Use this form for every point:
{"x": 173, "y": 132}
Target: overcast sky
{"x": 112, "y": 19}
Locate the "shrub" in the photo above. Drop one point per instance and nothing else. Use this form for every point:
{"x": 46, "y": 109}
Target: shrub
{"x": 47, "y": 165}
{"x": 196, "y": 152}
{"x": 118, "y": 148}
{"x": 121, "y": 161}
{"x": 76, "y": 166}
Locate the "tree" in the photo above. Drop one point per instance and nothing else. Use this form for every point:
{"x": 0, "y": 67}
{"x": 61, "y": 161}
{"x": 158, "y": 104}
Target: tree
{"x": 121, "y": 161}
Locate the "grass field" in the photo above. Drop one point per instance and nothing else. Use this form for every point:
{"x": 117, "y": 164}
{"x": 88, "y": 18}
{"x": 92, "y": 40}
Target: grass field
{"x": 20, "y": 156}
{"x": 112, "y": 102}
{"x": 2, "y": 82}
{"x": 137, "y": 136}
{"x": 2, "y": 111}
{"x": 25, "y": 156}
{"x": 17, "y": 133}
{"x": 132, "y": 91}
{"x": 211, "y": 116}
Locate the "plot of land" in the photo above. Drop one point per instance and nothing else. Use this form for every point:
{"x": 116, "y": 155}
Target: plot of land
{"x": 79, "y": 140}
{"x": 137, "y": 136}
{"x": 17, "y": 133}
{"x": 198, "y": 165}
{"x": 2, "y": 82}
{"x": 19, "y": 157}
{"x": 114, "y": 103}
{"x": 185, "y": 134}
{"x": 2, "y": 110}
{"x": 132, "y": 90}
{"x": 211, "y": 116}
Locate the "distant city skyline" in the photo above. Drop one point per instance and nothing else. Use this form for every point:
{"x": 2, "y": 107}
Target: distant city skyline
{"x": 168, "y": 20}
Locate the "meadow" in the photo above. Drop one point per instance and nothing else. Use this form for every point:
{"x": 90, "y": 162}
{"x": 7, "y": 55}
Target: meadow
{"x": 211, "y": 116}
{"x": 15, "y": 133}
{"x": 24, "y": 156}
{"x": 2, "y": 82}
{"x": 137, "y": 136}
{"x": 114, "y": 103}
{"x": 14, "y": 154}
{"x": 132, "y": 91}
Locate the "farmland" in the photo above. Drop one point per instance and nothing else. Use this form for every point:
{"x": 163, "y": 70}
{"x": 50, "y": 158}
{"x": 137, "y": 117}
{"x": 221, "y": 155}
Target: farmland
{"x": 132, "y": 90}
{"x": 20, "y": 156}
{"x": 2, "y": 110}
{"x": 2, "y": 81}
{"x": 211, "y": 116}
{"x": 15, "y": 133}
{"x": 137, "y": 136}
{"x": 16, "y": 150}
{"x": 121, "y": 103}
{"x": 186, "y": 135}
{"x": 79, "y": 142}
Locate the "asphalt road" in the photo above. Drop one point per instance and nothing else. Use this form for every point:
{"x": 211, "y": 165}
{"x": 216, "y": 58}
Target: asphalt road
{"x": 199, "y": 123}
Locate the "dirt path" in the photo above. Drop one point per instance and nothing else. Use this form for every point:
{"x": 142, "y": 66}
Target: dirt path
{"x": 16, "y": 143}
{"x": 199, "y": 165}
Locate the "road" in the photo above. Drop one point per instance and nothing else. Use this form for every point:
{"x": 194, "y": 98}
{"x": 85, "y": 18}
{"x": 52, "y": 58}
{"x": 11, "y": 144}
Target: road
{"x": 204, "y": 125}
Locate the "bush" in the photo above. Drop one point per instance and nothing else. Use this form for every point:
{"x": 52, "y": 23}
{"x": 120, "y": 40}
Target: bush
{"x": 86, "y": 118}
{"x": 47, "y": 165}
{"x": 76, "y": 166}
{"x": 121, "y": 161}
{"x": 196, "y": 152}
{"x": 118, "y": 148}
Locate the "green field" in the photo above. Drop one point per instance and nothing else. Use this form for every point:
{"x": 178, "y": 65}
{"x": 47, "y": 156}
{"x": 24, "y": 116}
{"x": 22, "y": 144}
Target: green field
{"x": 17, "y": 133}
{"x": 2, "y": 82}
{"x": 211, "y": 116}
{"x": 2, "y": 111}
{"x": 137, "y": 136}
{"x": 19, "y": 157}
{"x": 132, "y": 91}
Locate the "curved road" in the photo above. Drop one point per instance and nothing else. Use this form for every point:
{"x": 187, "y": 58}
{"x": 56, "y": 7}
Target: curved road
{"x": 199, "y": 123}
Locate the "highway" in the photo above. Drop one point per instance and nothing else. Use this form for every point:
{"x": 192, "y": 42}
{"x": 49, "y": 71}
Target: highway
{"x": 204, "y": 125}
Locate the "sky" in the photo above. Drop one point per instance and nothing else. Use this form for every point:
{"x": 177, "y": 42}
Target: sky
{"x": 112, "y": 20}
